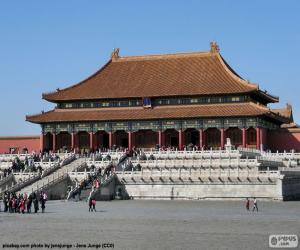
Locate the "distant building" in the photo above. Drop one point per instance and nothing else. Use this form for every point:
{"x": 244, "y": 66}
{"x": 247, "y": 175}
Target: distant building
{"x": 170, "y": 100}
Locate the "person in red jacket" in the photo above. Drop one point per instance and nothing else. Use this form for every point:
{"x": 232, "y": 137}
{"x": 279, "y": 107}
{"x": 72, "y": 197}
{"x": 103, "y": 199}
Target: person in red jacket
{"x": 22, "y": 206}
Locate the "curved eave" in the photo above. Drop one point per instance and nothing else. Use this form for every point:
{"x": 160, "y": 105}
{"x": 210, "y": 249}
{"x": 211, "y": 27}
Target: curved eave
{"x": 281, "y": 119}
{"x": 233, "y": 74}
{"x": 268, "y": 97}
{"x": 52, "y": 96}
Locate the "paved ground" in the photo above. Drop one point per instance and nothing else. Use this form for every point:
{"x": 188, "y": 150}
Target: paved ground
{"x": 153, "y": 225}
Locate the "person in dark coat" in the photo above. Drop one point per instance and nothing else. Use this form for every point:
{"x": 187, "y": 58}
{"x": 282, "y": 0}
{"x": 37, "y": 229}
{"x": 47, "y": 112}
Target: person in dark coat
{"x": 90, "y": 205}
{"x": 35, "y": 203}
{"x": 29, "y": 202}
{"x": 5, "y": 202}
{"x": 42, "y": 201}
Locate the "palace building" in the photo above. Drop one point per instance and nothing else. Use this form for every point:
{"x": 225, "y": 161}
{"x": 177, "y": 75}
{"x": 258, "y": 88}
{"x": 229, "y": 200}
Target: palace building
{"x": 169, "y": 100}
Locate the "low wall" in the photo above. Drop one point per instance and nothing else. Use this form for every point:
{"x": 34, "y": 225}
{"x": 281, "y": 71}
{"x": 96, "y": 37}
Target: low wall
{"x": 19, "y": 143}
{"x": 291, "y": 186}
{"x": 202, "y": 191}
{"x": 284, "y": 139}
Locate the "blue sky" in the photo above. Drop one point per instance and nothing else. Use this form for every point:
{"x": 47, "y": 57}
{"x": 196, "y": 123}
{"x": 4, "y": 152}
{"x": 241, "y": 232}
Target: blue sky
{"x": 49, "y": 44}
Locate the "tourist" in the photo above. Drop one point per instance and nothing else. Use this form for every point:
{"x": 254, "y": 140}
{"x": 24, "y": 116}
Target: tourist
{"x": 255, "y": 205}
{"x": 5, "y": 202}
{"x": 43, "y": 198}
{"x": 90, "y": 205}
{"x": 247, "y": 204}
{"x": 22, "y": 206}
{"x": 97, "y": 183}
{"x": 94, "y": 204}
{"x": 29, "y": 202}
{"x": 35, "y": 203}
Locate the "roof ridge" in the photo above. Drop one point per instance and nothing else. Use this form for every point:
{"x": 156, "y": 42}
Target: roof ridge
{"x": 162, "y": 56}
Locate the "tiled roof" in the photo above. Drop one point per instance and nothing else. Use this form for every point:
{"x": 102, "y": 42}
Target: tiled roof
{"x": 159, "y": 112}
{"x": 290, "y": 125}
{"x": 200, "y": 73}
{"x": 285, "y": 112}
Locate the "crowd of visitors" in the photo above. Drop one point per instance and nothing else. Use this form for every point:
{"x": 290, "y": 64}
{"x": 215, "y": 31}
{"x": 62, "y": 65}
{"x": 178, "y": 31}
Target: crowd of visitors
{"x": 21, "y": 203}
{"x": 29, "y": 164}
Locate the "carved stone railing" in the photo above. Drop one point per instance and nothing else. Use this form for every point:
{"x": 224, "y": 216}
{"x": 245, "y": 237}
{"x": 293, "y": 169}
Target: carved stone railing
{"x": 31, "y": 179}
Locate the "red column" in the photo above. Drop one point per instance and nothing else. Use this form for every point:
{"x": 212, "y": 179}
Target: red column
{"x": 201, "y": 144}
{"x": 262, "y": 137}
{"x": 159, "y": 138}
{"x": 130, "y": 140}
{"x": 42, "y": 142}
{"x": 163, "y": 139}
{"x": 91, "y": 141}
{"x": 258, "y": 138}
{"x": 72, "y": 141}
{"x": 222, "y": 138}
{"x": 54, "y": 142}
{"x": 244, "y": 137}
{"x": 110, "y": 139}
{"x": 180, "y": 139}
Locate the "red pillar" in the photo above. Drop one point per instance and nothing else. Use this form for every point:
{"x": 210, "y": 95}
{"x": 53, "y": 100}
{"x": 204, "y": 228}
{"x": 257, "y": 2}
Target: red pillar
{"x": 129, "y": 140}
{"x": 72, "y": 141}
{"x": 159, "y": 138}
{"x": 222, "y": 138}
{"x": 201, "y": 144}
{"x": 262, "y": 137}
{"x": 42, "y": 142}
{"x": 54, "y": 142}
{"x": 244, "y": 136}
{"x": 163, "y": 139}
{"x": 180, "y": 139}
{"x": 91, "y": 141}
{"x": 258, "y": 138}
{"x": 110, "y": 139}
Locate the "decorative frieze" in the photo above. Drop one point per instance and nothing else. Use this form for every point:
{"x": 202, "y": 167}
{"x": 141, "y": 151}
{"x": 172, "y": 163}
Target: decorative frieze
{"x": 84, "y": 126}
{"x": 157, "y": 125}
{"x": 251, "y": 122}
{"x": 120, "y": 126}
{"x": 64, "y": 127}
{"x": 98, "y": 126}
{"x": 171, "y": 124}
{"x": 234, "y": 122}
{"x": 139, "y": 125}
{"x": 212, "y": 123}
{"x": 49, "y": 128}
{"x": 192, "y": 124}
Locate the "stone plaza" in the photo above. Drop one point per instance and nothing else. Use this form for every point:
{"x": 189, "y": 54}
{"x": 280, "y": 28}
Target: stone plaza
{"x": 151, "y": 225}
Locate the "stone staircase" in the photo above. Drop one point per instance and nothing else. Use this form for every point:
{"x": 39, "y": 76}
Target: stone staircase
{"x": 51, "y": 178}
{"x": 89, "y": 192}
